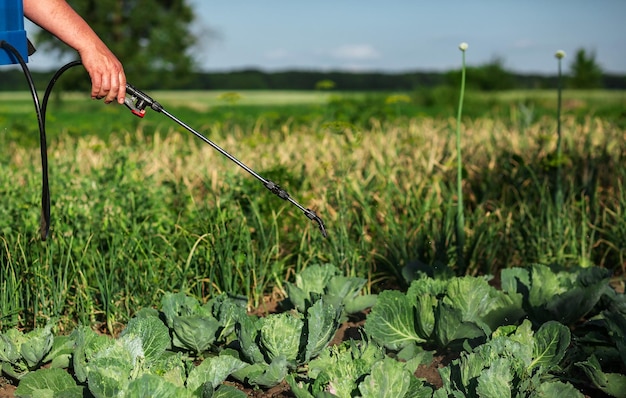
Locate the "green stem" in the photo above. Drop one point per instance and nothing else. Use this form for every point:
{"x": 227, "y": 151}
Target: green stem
{"x": 559, "y": 187}
{"x": 460, "y": 218}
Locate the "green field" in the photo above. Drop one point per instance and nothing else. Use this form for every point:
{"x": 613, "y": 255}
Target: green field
{"x": 192, "y": 99}
{"x": 141, "y": 208}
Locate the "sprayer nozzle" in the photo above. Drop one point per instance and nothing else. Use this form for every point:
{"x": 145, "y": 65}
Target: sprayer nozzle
{"x": 311, "y": 214}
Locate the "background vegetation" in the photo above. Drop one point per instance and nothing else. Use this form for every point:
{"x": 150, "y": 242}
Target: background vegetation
{"x": 492, "y": 77}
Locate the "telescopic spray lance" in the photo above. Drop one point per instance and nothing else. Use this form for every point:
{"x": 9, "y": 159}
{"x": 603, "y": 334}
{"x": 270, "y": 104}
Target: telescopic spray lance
{"x": 15, "y": 49}
{"x": 138, "y": 101}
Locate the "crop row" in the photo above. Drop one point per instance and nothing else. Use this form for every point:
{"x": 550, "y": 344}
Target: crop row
{"x": 543, "y": 333}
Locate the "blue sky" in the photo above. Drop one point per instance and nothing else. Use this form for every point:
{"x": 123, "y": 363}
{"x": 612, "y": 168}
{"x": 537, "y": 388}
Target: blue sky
{"x": 400, "y": 35}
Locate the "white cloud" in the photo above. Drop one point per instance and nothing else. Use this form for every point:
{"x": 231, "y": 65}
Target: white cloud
{"x": 277, "y": 53}
{"x": 355, "y": 52}
{"x": 352, "y": 67}
{"x": 523, "y": 43}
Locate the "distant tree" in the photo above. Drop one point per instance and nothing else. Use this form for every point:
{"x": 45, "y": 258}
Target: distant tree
{"x": 585, "y": 71}
{"x": 494, "y": 76}
{"x": 491, "y": 76}
{"x": 152, "y": 38}
{"x": 325, "y": 84}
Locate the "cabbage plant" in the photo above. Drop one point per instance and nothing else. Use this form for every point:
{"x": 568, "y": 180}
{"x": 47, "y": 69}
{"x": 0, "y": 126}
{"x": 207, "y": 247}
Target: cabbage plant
{"x": 278, "y": 343}
{"x": 327, "y": 282}
{"x": 440, "y": 313}
{"x": 515, "y": 362}
{"x": 22, "y": 352}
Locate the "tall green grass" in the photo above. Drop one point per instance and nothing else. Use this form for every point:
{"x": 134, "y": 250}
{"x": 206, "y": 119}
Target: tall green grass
{"x": 147, "y": 209}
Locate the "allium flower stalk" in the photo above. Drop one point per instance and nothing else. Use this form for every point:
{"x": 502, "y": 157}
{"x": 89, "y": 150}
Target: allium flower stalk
{"x": 460, "y": 217}
{"x": 559, "y": 188}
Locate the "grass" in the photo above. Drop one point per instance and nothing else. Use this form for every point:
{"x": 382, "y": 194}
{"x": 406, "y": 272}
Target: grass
{"x": 140, "y": 208}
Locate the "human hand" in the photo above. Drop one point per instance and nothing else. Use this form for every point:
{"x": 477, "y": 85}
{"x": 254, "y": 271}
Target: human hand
{"x": 108, "y": 80}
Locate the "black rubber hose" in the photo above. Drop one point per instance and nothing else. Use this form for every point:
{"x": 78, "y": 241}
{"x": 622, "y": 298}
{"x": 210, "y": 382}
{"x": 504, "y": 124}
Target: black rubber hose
{"x": 40, "y": 110}
{"x": 57, "y": 75}
{"x": 44, "y": 227}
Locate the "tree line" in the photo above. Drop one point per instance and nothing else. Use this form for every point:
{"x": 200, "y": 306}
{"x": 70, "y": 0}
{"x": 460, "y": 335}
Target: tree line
{"x": 486, "y": 78}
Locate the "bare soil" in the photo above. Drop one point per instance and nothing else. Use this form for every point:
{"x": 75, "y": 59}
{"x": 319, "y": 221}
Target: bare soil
{"x": 7, "y": 389}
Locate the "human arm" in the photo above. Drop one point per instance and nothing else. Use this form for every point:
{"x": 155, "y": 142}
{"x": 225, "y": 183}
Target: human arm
{"x": 105, "y": 70}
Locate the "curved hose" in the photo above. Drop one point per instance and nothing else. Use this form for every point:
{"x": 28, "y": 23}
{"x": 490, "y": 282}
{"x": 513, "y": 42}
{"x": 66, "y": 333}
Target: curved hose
{"x": 57, "y": 75}
{"x": 44, "y": 226}
{"x": 40, "y": 110}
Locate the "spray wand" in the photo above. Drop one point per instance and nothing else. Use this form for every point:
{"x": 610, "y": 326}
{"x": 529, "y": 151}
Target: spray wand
{"x": 138, "y": 101}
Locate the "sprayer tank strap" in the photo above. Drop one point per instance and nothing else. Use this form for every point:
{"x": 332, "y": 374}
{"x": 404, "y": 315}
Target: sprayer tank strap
{"x": 31, "y": 47}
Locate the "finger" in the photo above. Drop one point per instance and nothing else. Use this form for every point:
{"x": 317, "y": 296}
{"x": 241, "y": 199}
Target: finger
{"x": 113, "y": 91}
{"x": 105, "y": 89}
{"x": 96, "y": 86}
{"x": 121, "y": 93}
